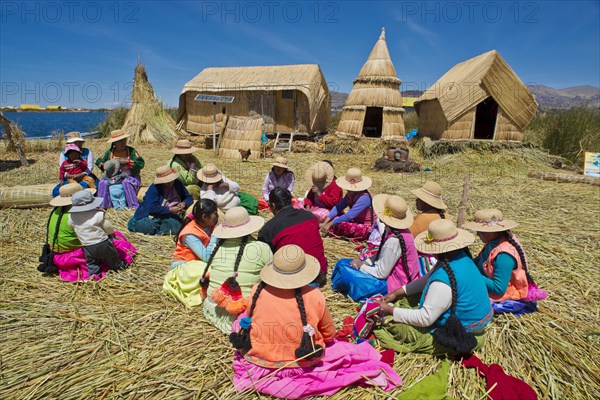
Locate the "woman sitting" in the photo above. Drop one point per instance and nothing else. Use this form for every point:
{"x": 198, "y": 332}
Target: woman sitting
{"x": 293, "y": 226}
{"x": 431, "y": 207}
{"x": 75, "y": 139}
{"x": 502, "y": 261}
{"x": 131, "y": 163}
{"x": 286, "y": 342}
{"x": 194, "y": 241}
{"x": 234, "y": 267}
{"x": 280, "y": 176}
{"x": 187, "y": 165}
{"x": 395, "y": 264}
{"x": 453, "y": 310}
{"x": 74, "y": 169}
{"x": 218, "y": 188}
{"x": 356, "y": 223}
{"x": 165, "y": 200}
{"x": 324, "y": 193}
{"x": 69, "y": 257}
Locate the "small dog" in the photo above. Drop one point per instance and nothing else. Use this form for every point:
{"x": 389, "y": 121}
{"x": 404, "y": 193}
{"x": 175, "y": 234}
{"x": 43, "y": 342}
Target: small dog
{"x": 245, "y": 154}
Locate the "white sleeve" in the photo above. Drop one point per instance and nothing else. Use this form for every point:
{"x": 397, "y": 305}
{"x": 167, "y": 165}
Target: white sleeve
{"x": 90, "y": 160}
{"x": 233, "y": 186}
{"x": 208, "y": 194}
{"x": 61, "y": 158}
{"x": 388, "y": 256}
{"x": 437, "y": 301}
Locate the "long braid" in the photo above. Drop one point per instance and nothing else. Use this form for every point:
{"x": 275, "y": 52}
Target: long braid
{"x": 306, "y": 349}
{"x": 241, "y": 340}
{"x": 446, "y": 267}
{"x": 203, "y": 281}
{"x": 240, "y": 253}
{"x": 441, "y": 213}
{"x": 511, "y": 239}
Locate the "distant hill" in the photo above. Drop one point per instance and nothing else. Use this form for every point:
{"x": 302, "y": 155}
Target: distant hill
{"x": 547, "y": 97}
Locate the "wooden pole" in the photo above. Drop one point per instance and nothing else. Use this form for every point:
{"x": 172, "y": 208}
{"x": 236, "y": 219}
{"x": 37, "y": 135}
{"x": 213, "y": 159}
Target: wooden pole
{"x": 8, "y": 127}
{"x": 565, "y": 178}
{"x": 462, "y": 208}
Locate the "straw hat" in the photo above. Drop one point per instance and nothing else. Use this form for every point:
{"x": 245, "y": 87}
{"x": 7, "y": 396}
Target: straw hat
{"x": 237, "y": 223}
{"x": 85, "y": 201}
{"x": 209, "y": 174}
{"x": 443, "y": 236}
{"x": 354, "y": 181}
{"x": 73, "y": 137}
{"x": 66, "y": 193}
{"x": 72, "y": 147}
{"x": 393, "y": 211}
{"x": 431, "y": 193}
{"x": 165, "y": 174}
{"x": 281, "y": 162}
{"x": 290, "y": 268}
{"x": 184, "y": 146}
{"x": 117, "y": 135}
{"x": 490, "y": 220}
{"x": 320, "y": 174}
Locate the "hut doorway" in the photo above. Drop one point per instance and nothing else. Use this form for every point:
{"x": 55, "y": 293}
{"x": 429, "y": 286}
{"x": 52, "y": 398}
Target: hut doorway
{"x": 485, "y": 119}
{"x": 373, "y": 122}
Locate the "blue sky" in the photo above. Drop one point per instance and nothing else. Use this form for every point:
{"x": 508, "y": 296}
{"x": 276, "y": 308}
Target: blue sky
{"x": 82, "y": 54}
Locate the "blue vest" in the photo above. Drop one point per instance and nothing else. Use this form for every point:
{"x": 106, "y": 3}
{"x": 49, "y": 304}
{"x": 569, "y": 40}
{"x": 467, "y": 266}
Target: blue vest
{"x": 473, "y": 307}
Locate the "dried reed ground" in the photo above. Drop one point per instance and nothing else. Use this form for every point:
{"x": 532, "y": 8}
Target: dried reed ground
{"x": 123, "y": 338}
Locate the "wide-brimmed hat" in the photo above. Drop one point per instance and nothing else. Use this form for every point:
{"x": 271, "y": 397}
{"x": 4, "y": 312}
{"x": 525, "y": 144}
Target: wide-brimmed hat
{"x": 393, "y": 211}
{"x": 354, "y": 181}
{"x": 281, "y": 162}
{"x": 117, "y": 135}
{"x": 490, "y": 220}
{"x": 112, "y": 167}
{"x": 85, "y": 201}
{"x": 184, "y": 146}
{"x": 431, "y": 193}
{"x": 66, "y": 193}
{"x": 73, "y": 137}
{"x": 443, "y": 236}
{"x": 320, "y": 174}
{"x": 291, "y": 268}
{"x": 209, "y": 174}
{"x": 237, "y": 223}
{"x": 72, "y": 147}
{"x": 165, "y": 174}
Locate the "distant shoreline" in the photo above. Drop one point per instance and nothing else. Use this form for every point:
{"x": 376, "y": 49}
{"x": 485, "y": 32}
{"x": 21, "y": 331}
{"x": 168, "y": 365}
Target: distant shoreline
{"x": 3, "y": 109}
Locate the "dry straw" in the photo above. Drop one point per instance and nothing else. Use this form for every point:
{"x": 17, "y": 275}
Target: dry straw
{"x": 123, "y": 338}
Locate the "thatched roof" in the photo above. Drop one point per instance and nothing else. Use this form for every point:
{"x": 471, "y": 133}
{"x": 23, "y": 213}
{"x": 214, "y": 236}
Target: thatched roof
{"x": 377, "y": 83}
{"x": 307, "y": 78}
{"x": 471, "y": 81}
{"x": 147, "y": 121}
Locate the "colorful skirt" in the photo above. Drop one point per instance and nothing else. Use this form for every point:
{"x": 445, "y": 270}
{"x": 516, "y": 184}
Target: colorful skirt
{"x": 320, "y": 213}
{"x": 351, "y": 231}
{"x": 183, "y": 282}
{"x": 72, "y": 266}
{"x": 354, "y": 283}
{"x": 344, "y": 364}
{"x": 131, "y": 186}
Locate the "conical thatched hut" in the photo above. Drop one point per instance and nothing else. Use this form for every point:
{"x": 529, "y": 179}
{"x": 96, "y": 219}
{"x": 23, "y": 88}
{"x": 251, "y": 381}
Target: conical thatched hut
{"x": 481, "y": 98}
{"x": 374, "y": 106}
{"x": 147, "y": 121}
{"x": 289, "y": 98}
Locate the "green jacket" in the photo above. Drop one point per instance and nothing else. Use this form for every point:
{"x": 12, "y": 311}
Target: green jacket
{"x": 66, "y": 240}
{"x": 185, "y": 175}
{"x": 136, "y": 162}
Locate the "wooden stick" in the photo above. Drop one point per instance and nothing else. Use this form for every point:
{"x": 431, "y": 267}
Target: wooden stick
{"x": 462, "y": 208}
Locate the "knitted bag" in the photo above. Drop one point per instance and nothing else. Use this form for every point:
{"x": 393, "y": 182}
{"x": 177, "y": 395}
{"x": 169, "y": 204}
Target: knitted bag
{"x": 366, "y": 319}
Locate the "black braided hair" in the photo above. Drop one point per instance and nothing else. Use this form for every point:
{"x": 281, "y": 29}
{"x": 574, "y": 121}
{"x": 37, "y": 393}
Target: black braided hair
{"x": 453, "y": 334}
{"x": 201, "y": 207}
{"x": 280, "y": 197}
{"x": 241, "y": 340}
{"x": 232, "y": 280}
{"x": 203, "y": 281}
{"x": 305, "y": 350}
{"x": 511, "y": 239}
{"x": 396, "y": 233}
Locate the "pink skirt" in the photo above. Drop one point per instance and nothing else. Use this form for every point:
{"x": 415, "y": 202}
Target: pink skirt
{"x": 344, "y": 364}
{"x": 320, "y": 213}
{"x": 351, "y": 231}
{"x": 72, "y": 266}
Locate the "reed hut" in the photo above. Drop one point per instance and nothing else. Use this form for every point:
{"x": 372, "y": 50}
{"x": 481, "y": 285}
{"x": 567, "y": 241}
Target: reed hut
{"x": 481, "y": 98}
{"x": 241, "y": 133}
{"x": 374, "y": 106}
{"x": 147, "y": 121}
{"x": 289, "y": 98}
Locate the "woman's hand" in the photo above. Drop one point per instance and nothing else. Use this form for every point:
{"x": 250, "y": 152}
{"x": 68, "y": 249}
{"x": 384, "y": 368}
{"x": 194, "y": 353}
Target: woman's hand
{"x": 395, "y": 295}
{"x": 175, "y": 209}
{"x": 387, "y": 309}
{"x": 356, "y": 263}
{"x": 124, "y": 160}
{"x": 326, "y": 226}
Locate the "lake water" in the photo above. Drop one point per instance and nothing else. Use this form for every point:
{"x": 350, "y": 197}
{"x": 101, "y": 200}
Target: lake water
{"x": 37, "y": 125}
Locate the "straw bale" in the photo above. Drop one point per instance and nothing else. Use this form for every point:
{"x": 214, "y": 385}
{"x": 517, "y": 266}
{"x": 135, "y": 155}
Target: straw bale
{"x": 122, "y": 338}
{"x": 241, "y": 133}
{"x": 26, "y": 196}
